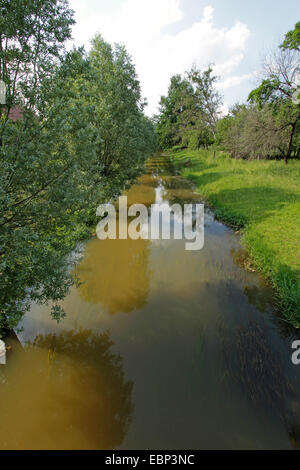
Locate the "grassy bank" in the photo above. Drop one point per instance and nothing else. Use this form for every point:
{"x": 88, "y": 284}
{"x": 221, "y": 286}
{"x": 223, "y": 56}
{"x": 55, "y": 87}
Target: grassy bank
{"x": 262, "y": 198}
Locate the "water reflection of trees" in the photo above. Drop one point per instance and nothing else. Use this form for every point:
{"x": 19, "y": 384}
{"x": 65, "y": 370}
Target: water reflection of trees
{"x": 161, "y": 165}
{"x": 179, "y": 191}
{"x": 116, "y": 274}
{"x": 69, "y": 393}
{"x": 143, "y": 192}
{"x": 260, "y": 371}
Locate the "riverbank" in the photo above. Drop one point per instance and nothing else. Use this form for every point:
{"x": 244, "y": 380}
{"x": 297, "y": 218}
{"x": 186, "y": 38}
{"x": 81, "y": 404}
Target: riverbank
{"x": 262, "y": 198}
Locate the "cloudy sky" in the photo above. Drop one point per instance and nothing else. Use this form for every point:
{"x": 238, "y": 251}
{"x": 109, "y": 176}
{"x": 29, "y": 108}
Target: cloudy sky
{"x": 165, "y": 37}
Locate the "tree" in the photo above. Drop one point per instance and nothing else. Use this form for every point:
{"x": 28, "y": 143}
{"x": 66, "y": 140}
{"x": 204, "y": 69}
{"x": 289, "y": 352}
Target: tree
{"x": 124, "y": 137}
{"x": 32, "y": 37}
{"x": 276, "y": 92}
{"x": 208, "y": 99}
{"x": 44, "y": 184}
{"x": 169, "y": 121}
{"x": 188, "y": 115}
{"x": 82, "y": 139}
{"x": 292, "y": 39}
{"x": 252, "y": 132}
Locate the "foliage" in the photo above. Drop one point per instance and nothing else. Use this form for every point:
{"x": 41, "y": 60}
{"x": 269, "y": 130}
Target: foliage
{"x": 292, "y": 39}
{"x": 275, "y": 93}
{"x": 269, "y": 126}
{"x": 32, "y": 37}
{"x": 171, "y": 106}
{"x": 125, "y": 135}
{"x": 189, "y": 113}
{"x": 82, "y": 139}
{"x": 266, "y": 127}
{"x": 251, "y": 132}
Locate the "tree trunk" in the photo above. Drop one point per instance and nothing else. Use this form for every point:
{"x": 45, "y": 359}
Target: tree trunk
{"x": 288, "y": 154}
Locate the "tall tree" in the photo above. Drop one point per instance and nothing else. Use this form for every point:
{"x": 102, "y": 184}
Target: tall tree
{"x": 189, "y": 113}
{"x": 170, "y": 121}
{"x": 276, "y": 91}
{"x": 81, "y": 139}
{"x": 114, "y": 93}
{"x": 207, "y": 98}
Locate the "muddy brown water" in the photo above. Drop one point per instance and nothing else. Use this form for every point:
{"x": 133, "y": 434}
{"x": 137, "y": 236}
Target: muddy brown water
{"x": 161, "y": 348}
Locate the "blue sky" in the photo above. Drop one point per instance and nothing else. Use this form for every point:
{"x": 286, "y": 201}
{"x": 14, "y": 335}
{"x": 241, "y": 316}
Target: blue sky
{"x": 167, "y": 36}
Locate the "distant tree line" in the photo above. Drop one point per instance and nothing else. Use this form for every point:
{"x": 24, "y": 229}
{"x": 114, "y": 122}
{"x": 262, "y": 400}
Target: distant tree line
{"x": 82, "y": 139}
{"x": 267, "y": 126}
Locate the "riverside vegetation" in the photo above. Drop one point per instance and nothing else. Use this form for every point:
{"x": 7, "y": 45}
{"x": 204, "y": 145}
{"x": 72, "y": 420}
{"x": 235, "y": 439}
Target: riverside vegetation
{"x": 263, "y": 199}
{"x": 82, "y": 138}
{"x": 246, "y": 164}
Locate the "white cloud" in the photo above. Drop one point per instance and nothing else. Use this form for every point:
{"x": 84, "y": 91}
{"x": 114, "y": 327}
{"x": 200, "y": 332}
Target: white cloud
{"x": 230, "y": 82}
{"x": 141, "y": 25}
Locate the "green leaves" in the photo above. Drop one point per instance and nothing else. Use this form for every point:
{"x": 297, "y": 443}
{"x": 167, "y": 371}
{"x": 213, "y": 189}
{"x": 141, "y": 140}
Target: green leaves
{"x": 277, "y": 113}
{"x": 32, "y": 36}
{"x": 292, "y": 39}
{"x": 266, "y": 92}
{"x": 82, "y": 138}
{"x": 188, "y": 115}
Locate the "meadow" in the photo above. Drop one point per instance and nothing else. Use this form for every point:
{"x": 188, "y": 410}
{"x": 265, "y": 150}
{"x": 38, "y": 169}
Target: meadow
{"x": 262, "y": 199}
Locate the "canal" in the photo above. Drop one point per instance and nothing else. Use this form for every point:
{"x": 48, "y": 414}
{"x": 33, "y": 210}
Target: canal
{"x": 161, "y": 348}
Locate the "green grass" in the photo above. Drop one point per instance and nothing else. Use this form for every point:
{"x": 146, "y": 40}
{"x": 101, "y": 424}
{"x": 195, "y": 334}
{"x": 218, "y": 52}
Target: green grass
{"x": 262, "y": 198}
